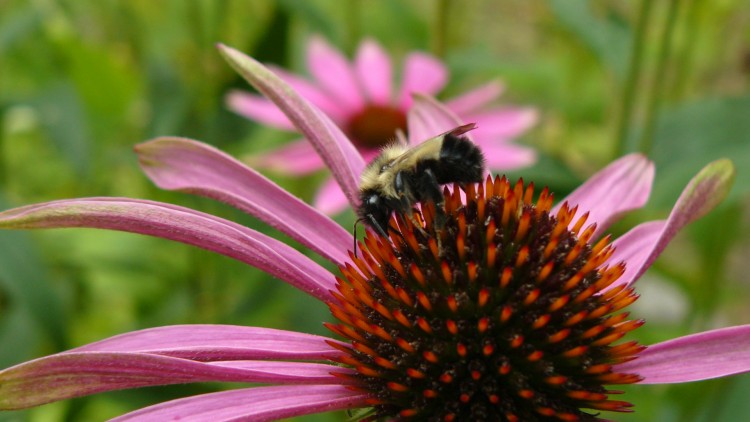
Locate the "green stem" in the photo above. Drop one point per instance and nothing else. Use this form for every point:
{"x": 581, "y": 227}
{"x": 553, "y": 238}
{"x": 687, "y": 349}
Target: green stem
{"x": 685, "y": 59}
{"x": 440, "y": 46}
{"x": 632, "y": 78}
{"x": 205, "y": 287}
{"x": 657, "y": 87}
{"x": 3, "y": 174}
{"x": 353, "y": 17}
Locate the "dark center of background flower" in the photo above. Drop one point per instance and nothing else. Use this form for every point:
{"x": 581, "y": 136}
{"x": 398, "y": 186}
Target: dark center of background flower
{"x": 376, "y": 125}
{"x": 502, "y": 313}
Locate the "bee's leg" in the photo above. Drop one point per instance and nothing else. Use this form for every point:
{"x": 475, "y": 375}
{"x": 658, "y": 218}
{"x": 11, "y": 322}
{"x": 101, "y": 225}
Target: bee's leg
{"x": 354, "y": 235}
{"x": 429, "y": 190}
{"x": 406, "y": 198}
{"x": 382, "y": 227}
{"x": 376, "y": 224}
{"x": 418, "y": 211}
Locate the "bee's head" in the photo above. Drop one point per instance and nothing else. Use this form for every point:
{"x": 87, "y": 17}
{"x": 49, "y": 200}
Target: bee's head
{"x": 374, "y": 210}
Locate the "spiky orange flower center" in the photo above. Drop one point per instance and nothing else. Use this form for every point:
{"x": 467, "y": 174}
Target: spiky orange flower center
{"x": 503, "y": 313}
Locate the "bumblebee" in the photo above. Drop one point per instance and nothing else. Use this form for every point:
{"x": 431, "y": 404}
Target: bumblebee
{"x": 402, "y": 176}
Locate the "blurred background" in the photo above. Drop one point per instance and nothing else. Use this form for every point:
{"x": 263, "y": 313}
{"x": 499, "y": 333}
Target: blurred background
{"x": 83, "y": 81}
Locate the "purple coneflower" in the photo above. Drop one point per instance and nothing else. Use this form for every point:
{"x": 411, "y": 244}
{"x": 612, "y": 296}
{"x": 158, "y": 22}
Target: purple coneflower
{"x": 360, "y": 98}
{"x": 515, "y": 314}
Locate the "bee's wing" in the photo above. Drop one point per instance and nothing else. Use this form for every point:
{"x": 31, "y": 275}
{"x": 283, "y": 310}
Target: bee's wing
{"x": 429, "y": 149}
{"x": 460, "y": 130}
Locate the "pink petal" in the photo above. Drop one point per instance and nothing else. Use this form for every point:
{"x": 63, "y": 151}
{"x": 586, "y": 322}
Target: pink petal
{"x": 501, "y": 156}
{"x": 701, "y": 356}
{"x": 190, "y": 166}
{"x": 475, "y": 99}
{"x": 217, "y": 342}
{"x": 373, "y": 67}
{"x": 257, "y": 404}
{"x": 330, "y": 200}
{"x": 296, "y": 158}
{"x": 183, "y": 225}
{"x": 337, "y": 151}
{"x": 257, "y": 108}
{"x": 423, "y": 74}
{"x": 428, "y": 118}
{"x": 75, "y": 374}
{"x": 640, "y": 247}
{"x": 502, "y": 123}
{"x": 622, "y": 186}
{"x": 334, "y": 73}
{"x": 282, "y": 372}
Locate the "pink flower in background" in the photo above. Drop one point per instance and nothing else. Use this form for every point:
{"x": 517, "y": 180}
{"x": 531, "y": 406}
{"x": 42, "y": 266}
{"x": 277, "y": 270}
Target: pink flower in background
{"x": 360, "y": 97}
{"x": 420, "y": 342}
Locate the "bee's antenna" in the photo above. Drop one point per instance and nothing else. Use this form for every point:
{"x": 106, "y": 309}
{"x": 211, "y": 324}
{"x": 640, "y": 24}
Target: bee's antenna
{"x": 356, "y": 222}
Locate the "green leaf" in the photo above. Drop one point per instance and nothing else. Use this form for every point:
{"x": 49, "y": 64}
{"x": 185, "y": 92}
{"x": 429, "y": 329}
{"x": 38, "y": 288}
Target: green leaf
{"x": 106, "y": 85}
{"x": 549, "y": 172}
{"x": 18, "y": 24}
{"x": 607, "y": 36}
{"x": 24, "y": 278}
{"x": 691, "y": 135}
{"x": 17, "y": 327}
{"x": 314, "y": 15}
{"x": 66, "y": 124}
{"x": 732, "y": 400}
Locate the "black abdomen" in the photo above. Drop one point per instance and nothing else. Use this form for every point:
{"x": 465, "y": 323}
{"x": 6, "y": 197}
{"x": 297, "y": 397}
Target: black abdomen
{"x": 460, "y": 161}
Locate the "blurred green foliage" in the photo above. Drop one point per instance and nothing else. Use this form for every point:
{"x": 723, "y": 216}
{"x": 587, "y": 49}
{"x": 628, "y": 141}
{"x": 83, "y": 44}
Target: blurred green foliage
{"x": 82, "y": 81}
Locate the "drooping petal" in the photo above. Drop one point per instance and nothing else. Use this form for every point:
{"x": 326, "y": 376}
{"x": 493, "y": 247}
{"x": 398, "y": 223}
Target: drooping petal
{"x": 183, "y": 225}
{"x": 316, "y": 95}
{"x": 472, "y": 101}
{"x": 334, "y": 73}
{"x": 428, "y": 118}
{"x": 263, "y": 110}
{"x": 622, "y": 186}
{"x": 257, "y": 108}
{"x": 205, "y": 342}
{"x": 258, "y": 404}
{"x": 75, "y": 374}
{"x": 329, "y": 199}
{"x": 502, "y": 123}
{"x": 337, "y": 151}
{"x": 635, "y": 247}
{"x": 644, "y": 243}
{"x": 701, "y": 356}
{"x": 423, "y": 74}
{"x": 374, "y": 71}
{"x": 297, "y": 158}
{"x": 194, "y": 167}
{"x": 502, "y": 156}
